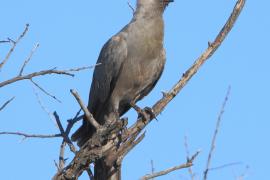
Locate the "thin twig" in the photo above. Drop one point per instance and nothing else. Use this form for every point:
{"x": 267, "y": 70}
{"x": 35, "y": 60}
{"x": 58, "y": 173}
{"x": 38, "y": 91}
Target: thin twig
{"x": 213, "y": 144}
{"x": 5, "y": 41}
{"x": 71, "y": 122}
{"x": 152, "y": 168}
{"x": 42, "y": 73}
{"x": 45, "y": 109}
{"x": 14, "y": 45}
{"x": 31, "y": 135}
{"x": 244, "y": 174}
{"x": 131, "y": 7}
{"x": 189, "y": 163}
{"x": 56, "y": 165}
{"x": 44, "y": 91}
{"x": 6, "y": 103}
{"x": 28, "y": 58}
{"x": 62, "y": 131}
{"x": 88, "y": 115}
{"x": 192, "y": 175}
{"x": 224, "y": 166}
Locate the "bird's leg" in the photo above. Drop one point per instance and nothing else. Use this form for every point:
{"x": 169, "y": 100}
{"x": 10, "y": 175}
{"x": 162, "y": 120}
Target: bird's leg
{"x": 143, "y": 113}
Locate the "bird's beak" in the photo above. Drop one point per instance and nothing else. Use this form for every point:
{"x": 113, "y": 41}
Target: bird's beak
{"x": 168, "y": 1}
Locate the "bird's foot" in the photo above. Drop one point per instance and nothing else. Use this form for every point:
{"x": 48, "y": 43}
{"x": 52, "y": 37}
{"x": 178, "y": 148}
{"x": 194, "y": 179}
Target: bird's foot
{"x": 145, "y": 113}
{"x": 124, "y": 122}
{"x": 150, "y": 112}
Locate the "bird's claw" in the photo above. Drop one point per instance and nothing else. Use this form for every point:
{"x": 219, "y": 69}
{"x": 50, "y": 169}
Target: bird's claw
{"x": 150, "y": 112}
{"x": 146, "y": 113}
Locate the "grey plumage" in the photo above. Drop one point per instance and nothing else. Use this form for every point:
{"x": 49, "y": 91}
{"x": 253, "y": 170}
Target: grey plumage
{"x": 132, "y": 61}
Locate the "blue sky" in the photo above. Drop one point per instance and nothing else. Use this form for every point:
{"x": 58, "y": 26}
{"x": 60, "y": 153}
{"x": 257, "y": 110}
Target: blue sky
{"x": 71, "y": 34}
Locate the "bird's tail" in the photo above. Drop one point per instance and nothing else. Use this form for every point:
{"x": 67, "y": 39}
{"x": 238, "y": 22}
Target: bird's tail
{"x": 83, "y": 133}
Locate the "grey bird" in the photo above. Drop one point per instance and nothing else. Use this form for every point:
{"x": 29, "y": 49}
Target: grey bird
{"x": 131, "y": 63}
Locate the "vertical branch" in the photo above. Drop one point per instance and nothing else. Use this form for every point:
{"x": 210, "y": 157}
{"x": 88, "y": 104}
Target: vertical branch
{"x": 152, "y": 168}
{"x": 213, "y": 144}
{"x": 192, "y": 175}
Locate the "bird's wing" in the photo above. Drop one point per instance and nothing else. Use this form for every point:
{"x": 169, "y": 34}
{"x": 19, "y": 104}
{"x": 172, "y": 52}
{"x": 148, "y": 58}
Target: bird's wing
{"x": 111, "y": 58}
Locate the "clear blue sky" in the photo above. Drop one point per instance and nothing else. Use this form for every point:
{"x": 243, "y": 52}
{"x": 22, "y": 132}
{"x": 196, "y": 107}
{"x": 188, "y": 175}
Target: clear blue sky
{"x": 71, "y": 34}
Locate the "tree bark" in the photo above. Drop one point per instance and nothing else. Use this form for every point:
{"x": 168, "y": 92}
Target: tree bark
{"x": 103, "y": 171}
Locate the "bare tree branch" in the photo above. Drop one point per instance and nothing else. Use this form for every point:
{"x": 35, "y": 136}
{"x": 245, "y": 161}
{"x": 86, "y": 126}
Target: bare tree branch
{"x": 44, "y": 72}
{"x": 71, "y": 122}
{"x": 31, "y": 135}
{"x": 6, "y": 103}
{"x": 192, "y": 175}
{"x": 88, "y": 115}
{"x": 14, "y": 45}
{"x": 28, "y": 58}
{"x": 189, "y": 163}
{"x": 152, "y": 168}
{"x": 63, "y": 133}
{"x": 5, "y": 41}
{"x": 213, "y": 144}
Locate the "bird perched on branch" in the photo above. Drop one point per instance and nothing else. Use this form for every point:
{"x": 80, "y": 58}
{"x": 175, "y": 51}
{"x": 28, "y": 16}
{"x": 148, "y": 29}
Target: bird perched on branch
{"x": 131, "y": 61}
